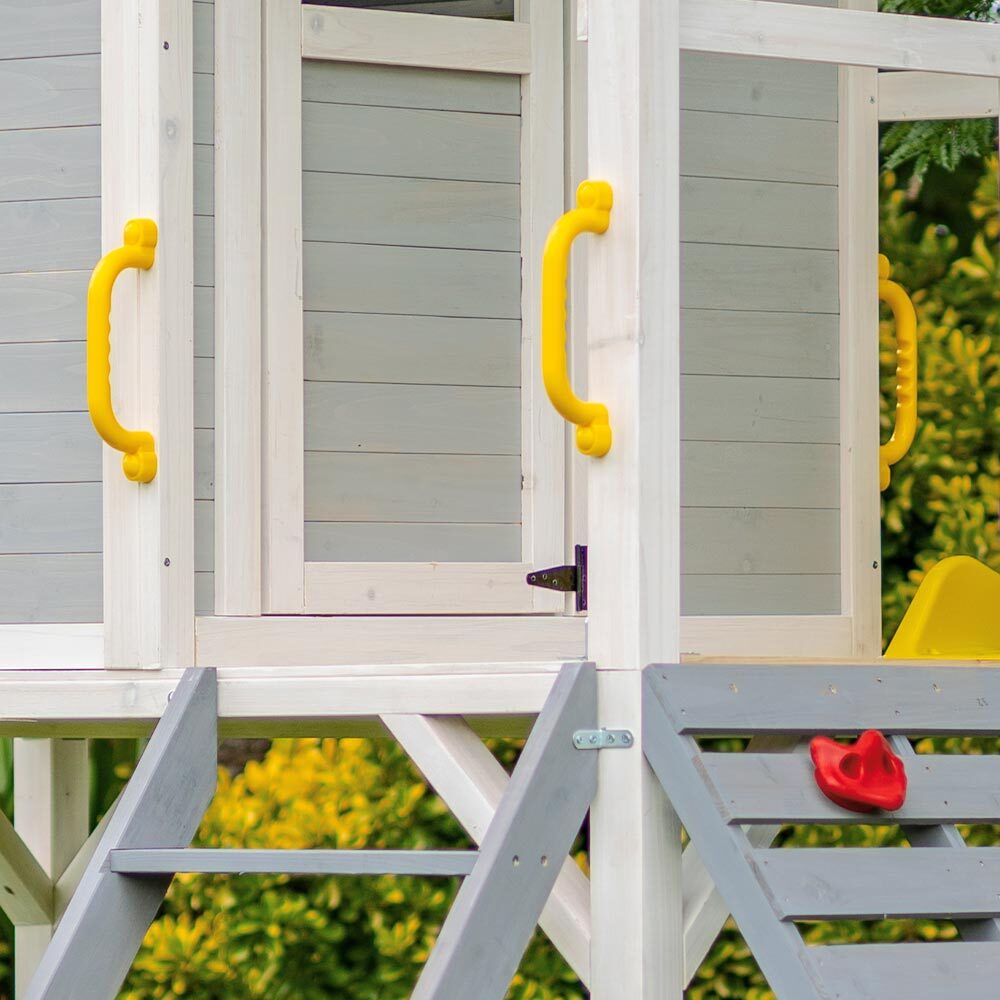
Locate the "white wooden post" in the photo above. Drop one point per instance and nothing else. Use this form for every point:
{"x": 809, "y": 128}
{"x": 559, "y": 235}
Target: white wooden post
{"x": 146, "y": 161}
{"x": 634, "y": 493}
{"x": 52, "y": 815}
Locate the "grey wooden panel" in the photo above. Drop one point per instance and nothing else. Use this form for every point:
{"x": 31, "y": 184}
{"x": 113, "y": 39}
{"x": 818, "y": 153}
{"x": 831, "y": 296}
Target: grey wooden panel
{"x": 149, "y": 861}
{"x": 43, "y": 306}
{"x": 444, "y": 419}
{"x": 48, "y": 447}
{"x": 402, "y": 211}
{"x": 204, "y": 37}
{"x": 61, "y": 235}
{"x": 752, "y": 86}
{"x": 50, "y": 517}
{"x": 46, "y": 93}
{"x": 730, "y": 342}
{"x": 204, "y": 109}
{"x": 46, "y": 163}
{"x": 412, "y": 281}
{"x": 781, "y": 788}
{"x": 204, "y": 251}
{"x": 330, "y": 541}
{"x": 450, "y": 488}
{"x": 752, "y": 408}
{"x": 29, "y": 29}
{"x": 724, "y": 474}
{"x": 50, "y": 588}
{"x": 754, "y": 147}
{"x": 204, "y": 323}
{"x": 204, "y": 465}
{"x": 204, "y": 179}
{"x": 204, "y": 535}
{"x": 754, "y": 540}
{"x": 404, "y": 142}
{"x": 935, "y": 971}
{"x": 438, "y": 350}
{"x": 758, "y": 213}
{"x": 715, "y": 276}
{"x": 204, "y": 594}
{"x": 404, "y": 86}
{"x": 829, "y": 699}
{"x": 41, "y": 377}
{"x": 760, "y": 594}
{"x": 878, "y": 883}
{"x": 204, "y": 393}
{"x": 492, "y": 9}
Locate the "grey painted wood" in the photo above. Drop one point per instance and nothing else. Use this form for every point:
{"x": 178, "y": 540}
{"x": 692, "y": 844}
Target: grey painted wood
{"x": 204, "y": 393}
{"x": 751, "y": 86}
{"x": 29, "y": 29}
{"x": 724, "y": 474}
{"x": 62, "y": 235}
{"x": 754, "y": 541}
{"x": 404, "y": 142}
{"x": 444, "y": 419}
{"x": 878, "y": 883}
{"x": 204, "y": 594}
{"x": 46, "y": 163}
{"x": 36, "y": 378}
{"x": 204, "y": 179}
{"x": 754, "y": 408}
{"x": 50, "y": 92}
{"x": 436, "y": 488}
{"x": 753, "y": 147}
{"x": 204, "y": 465}
{"x": 204, "y": 109}
{"x": 353, "y": 541}
{"x": 352, "y": 278}
{"x": 173, "y": 783}
{"x": 204, "y": 37}
{"x": 827, "y": 699}
{"x": 716, "y": 276}
{"x": 43, "y": 306}
{"x": 48, "y": 447}
{"x": 758, "y": 213}
{"x": 778, "y": 788}
{"x": 938, "y": 971}
{"x": 539, "y": 816}
{"x": 735, "y": 342}
{"x": 760, "y": 594}
{"x": 148, "y": 861}
{"x": 50, "y": 517}
{"x": 204, "y": 323}
{"x": 492, "y": 9}
{"x": 402, "y": 211}
{"x": 204, "y": 535}
{"x": 204, "y": 251}
{"x": 50, "y": 588}
{"x": 422, "y": 350}
{"x": 403, "y": 86}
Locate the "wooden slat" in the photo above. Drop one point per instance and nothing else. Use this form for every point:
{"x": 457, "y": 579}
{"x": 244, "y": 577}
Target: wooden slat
{"x": 50, "y": 588}
{"x": 50, "y": 163}
{"x": 29, "y": 29}
{"x": 760, "y": 594}
{"x": 204, "y": 180}
{"x": 204, "y": 251}
{"x": 916, "y": 96}
{"x": 204, "y": 109}
{"x": 49, "y": 447}
{"x": 813, "y": 699}
{"x": 62, "y": 235}
{"x": 355, "y": 541}
{"x": 50, "y": 517}
{"x": 203, "y": 31}
{"x": 370, "y": 417}
{"x": 410, "y": 143}
{"x": 204, "y": 465}
{"x": 43, "y": 306}
{"x": 780, "y": 788}
{"x": 47, "y": 93}
{"x": 40, "y": 378}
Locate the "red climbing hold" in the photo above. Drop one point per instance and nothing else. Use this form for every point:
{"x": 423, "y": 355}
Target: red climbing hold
{"x": 862, "y": 776}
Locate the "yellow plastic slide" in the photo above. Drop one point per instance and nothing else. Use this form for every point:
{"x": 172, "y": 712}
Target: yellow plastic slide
{"x": 955, "y": 615}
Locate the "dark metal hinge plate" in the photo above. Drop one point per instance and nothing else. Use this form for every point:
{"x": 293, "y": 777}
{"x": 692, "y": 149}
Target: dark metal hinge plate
{"x": 565, "y": 579}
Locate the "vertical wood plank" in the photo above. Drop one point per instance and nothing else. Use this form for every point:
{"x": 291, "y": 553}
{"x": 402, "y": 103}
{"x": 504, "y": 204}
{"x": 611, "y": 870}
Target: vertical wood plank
{"x": 634, "y": 497}
{"x": 237, "y": 307}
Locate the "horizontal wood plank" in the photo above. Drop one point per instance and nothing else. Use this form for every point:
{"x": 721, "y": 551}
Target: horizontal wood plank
{"x": 40, "y": 307}
{"x": 760, "y": 594}
{"x": 39, "y": 164}
{"x": 50, "y": 588}
{"x": 43, "y": 377}
{"x": 50, "y": 92}
{"x": 29, "y": 29}
{"x": 357, "y": 541}
{"x": 50, "y": 517}
{"x": 61, "y": 235}
{"x": 49, "y": 447}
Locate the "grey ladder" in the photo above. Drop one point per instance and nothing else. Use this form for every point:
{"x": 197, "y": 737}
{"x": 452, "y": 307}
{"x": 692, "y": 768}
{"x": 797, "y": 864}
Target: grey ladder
{"x": 507, "y": 881}
{"x": 723, "y": 798}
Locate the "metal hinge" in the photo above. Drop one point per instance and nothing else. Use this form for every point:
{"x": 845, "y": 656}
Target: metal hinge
{"x": 603, "y": 739}
{"x": 565, "y": 579}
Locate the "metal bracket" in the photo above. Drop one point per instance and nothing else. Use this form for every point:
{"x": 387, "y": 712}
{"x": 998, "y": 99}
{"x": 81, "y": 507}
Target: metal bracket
{"x": 565, "y": 579}
{"x": 603, "y": 739}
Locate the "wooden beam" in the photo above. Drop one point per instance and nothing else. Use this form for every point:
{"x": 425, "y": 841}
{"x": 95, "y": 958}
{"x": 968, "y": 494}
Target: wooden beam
{"x": 917, "y": 96}
{"x": 27, "y": 888}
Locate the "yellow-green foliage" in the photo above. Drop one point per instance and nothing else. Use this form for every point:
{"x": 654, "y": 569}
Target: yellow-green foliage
{"x": 278, "y": 936}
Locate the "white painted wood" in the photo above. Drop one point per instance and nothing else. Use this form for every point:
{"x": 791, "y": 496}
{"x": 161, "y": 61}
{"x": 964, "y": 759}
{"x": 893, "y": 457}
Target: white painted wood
{"x": 860, "y": 506}
{"x": 282, "y": 473}
{"x": 791, "y": 636}
{"x": 67, "y": 882}
{"x": 51, "y": 647}
{"x": 370, "y": 36}
{"x": 146, "y": 154}
{"x": 917, "y": 96}
{"x": 52, "y": 817}
{"x": 857, "y": 37}
{"x": 634, "y": 492}
{"x": 470, "y": 780}
{"x": 238, "y": 308}
{"x": 27, "y": 887}
{"x": 236, "y": 642}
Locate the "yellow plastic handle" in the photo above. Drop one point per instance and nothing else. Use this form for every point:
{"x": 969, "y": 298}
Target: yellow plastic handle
{"x": 905, "y": 428}
{"x": 591, "y": 215}
{"x": 139, "y": 250}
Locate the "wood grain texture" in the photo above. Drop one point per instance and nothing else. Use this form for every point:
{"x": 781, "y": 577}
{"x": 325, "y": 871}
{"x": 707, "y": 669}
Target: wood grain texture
{"x": 50, "y": 92}
{"x": 50, "y": 588}
{"x": 38, "y": 307}
{"x": 63, "y": 235}
{"x": 38, "y": 164}
{"x": 50, "y": 518}
{"x": 44, "y": 377}
{"x": 66, "y": 442}
{"x": 760, "y": 594}
{"x": 357, "y": 541}
{"x": 64, "y": 27}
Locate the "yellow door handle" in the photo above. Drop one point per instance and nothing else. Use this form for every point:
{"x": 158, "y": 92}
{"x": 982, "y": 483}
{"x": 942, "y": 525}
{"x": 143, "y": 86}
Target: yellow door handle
{"x": 591, "y": 215}
{"x": 139, "y": 250}
{"x": 905, "y": 426}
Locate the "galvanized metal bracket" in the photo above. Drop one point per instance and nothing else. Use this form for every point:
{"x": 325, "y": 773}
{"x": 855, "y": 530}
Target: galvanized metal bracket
{"x": 565, "y": 579}
{"x": 603, "y": 739}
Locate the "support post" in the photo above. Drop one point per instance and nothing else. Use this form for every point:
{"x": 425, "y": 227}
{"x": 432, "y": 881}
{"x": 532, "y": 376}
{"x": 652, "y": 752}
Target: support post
{"x": 634, "y": 494}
